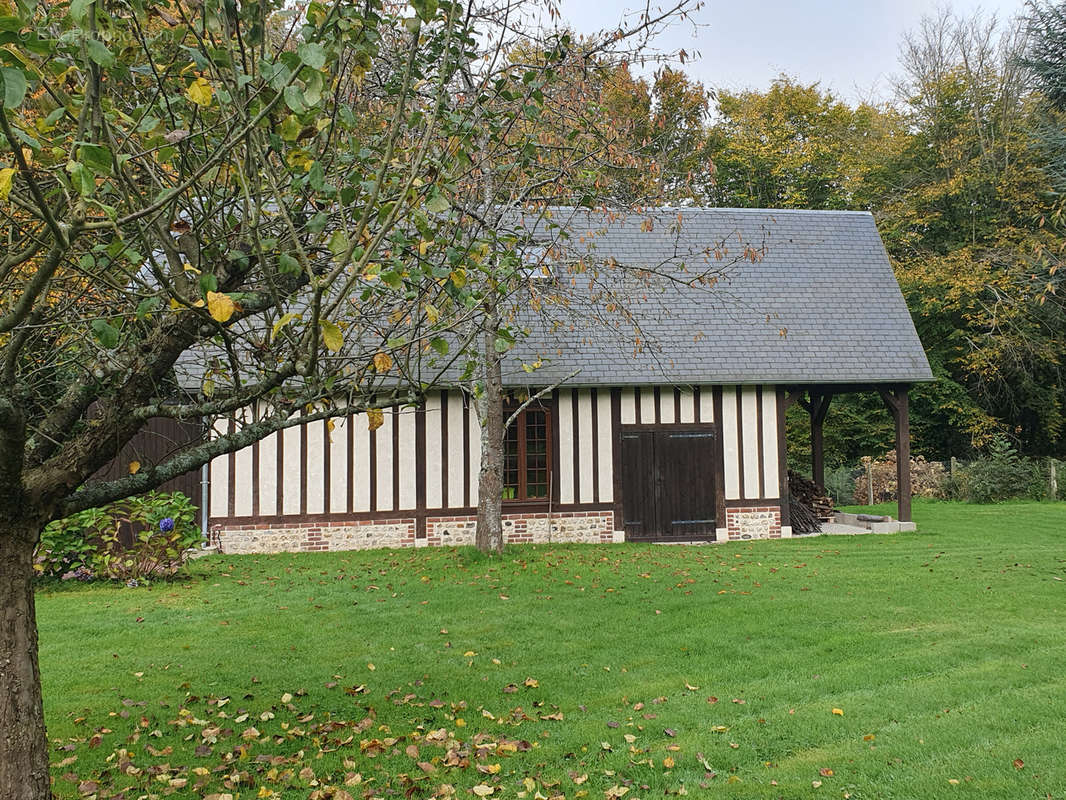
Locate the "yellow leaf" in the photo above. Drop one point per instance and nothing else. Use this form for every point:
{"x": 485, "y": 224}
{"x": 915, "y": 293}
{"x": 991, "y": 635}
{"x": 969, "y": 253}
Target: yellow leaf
{"x": 200, "y": 92}
{"x": 375, "y": 418}
{"x": 382, "y": 362}
{"x": 285, "y": 320}
{"x": 331, "y": 336}
{"x": 6, "y": 174}
{"x": 371, "y": 667}
{"x": 668, "y": 762}
{"x": 483, "y": 790}
{"x": 220, "y": 306}
{"x": 838, "y": 712}
{"x": 135, "y": 467}
{"x": 423, "y": 246}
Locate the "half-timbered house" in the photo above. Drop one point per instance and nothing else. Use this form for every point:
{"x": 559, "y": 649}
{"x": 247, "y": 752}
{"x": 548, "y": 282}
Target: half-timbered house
{"x": 672, "y": 429}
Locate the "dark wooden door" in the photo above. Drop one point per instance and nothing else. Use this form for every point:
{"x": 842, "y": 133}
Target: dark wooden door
{"x": 668, "y": 484}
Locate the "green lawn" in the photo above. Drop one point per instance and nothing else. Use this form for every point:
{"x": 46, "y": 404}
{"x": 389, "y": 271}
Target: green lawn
{"x": 581, "y": 671}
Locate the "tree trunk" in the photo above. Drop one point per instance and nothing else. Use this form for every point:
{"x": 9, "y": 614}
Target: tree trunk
{"x": 489, "y": 532}
{"x": 23, "y": 742}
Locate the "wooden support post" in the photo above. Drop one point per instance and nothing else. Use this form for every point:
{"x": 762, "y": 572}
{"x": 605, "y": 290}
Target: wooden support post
{"x": 897, "y": 402}
{"x": 818, "y": 408}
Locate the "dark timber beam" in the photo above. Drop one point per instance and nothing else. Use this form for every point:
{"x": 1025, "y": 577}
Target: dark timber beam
{"x": 897, "y": 401}
{"x": 818, "y": 408}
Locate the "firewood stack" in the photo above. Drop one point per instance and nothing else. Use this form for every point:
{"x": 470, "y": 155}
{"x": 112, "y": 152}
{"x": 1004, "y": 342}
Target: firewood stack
{"x": 810, "y": 505}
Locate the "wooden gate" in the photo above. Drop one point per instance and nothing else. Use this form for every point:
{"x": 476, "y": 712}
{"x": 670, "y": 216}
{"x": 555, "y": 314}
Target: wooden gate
{"x": 668, "y": 491}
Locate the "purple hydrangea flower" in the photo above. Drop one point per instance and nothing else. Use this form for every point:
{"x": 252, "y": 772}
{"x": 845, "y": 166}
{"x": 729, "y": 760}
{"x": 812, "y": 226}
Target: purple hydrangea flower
{"x": 166, "y": 525}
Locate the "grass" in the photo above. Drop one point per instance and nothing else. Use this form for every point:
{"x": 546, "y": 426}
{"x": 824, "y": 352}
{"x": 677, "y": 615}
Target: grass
{"x": 651, "y": 670}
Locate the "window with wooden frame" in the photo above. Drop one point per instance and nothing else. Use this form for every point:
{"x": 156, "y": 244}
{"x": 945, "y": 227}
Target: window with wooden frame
{"x": 527, "y": 454}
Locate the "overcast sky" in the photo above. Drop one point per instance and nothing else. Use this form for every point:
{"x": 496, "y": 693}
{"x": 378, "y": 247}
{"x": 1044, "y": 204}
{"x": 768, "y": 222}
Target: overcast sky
{"x": 849, "y": 46}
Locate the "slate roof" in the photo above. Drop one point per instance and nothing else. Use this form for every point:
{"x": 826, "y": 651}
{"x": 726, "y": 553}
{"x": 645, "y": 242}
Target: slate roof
{"x": 803, "y": 297}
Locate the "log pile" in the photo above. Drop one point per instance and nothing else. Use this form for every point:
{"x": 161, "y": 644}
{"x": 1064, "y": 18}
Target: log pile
{"x": 810, "y": 505}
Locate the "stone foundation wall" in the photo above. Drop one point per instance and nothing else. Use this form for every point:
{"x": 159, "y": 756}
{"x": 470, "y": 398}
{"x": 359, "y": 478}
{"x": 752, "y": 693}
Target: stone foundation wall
{"x": 312, "y": 536}
{"x": 591, "y": 527}
{"x": 753, "y": 522}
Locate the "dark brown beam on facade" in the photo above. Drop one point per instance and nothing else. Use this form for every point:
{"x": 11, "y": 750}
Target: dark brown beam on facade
{"x": 897, "y": 402}
{"x": 818, "y": 408}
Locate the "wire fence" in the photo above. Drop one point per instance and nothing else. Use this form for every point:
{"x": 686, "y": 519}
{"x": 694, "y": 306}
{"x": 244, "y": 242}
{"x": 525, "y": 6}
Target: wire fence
{"x": 981, "y": 480}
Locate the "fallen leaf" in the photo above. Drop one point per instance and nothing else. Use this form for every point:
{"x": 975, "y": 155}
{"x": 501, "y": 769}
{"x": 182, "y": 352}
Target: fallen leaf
{"x": 838, "y": 712}
{"x": 668, "y": 762}
{"x": 825, "y": 772}
{"x": 483, "y": 790}
{"x": 1018, "y": 763}
{"x": 816, "y": 784}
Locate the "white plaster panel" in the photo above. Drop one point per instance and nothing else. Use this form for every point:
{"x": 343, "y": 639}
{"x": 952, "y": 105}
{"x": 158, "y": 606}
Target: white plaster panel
{"x": 456, "y": 468}
{"x": 688, "y": 406}
{"x": 666, "y": 405}
{"x": 316, "y": 467}
{"x": 770, "y": 462}
{"x": 647, "y": 406}
{"x": 360, "y": 476}
{"x": 604, "y": 443}
{"x": 587, "y": 441}
{"x": 268, "y": 475}
{"x": 383, "y": 456}
{"x": 706, "y": 404}
{"x": 408, "y": 459}
{"x": 219, "y": 475}
{"x": 338, "y": 466}
{"x": 629, "y": 407}
{"x": 433, "y": 452}
{"x": 730, "y": 444}
{"x": 242, "y": 486}
{"x": 749, "y": 407}
{"x": 291, "y": 471}
{"x": 566, "y": 446}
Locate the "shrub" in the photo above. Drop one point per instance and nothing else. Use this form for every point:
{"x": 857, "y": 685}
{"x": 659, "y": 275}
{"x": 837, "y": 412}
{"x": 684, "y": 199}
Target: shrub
{"x": 840, "y": 484}
{"x": 927, "y": 478}
{"x": 1002, "y": 474}
{"x": 89, "y": 545}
